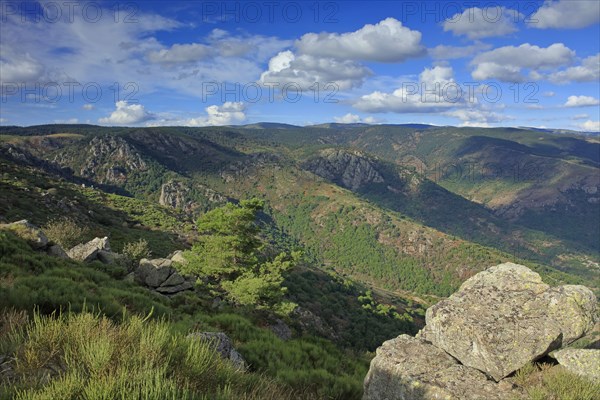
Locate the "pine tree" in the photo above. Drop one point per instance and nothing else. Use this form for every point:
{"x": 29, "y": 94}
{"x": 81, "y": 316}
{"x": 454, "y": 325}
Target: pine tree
{"x": 228, "y": 251}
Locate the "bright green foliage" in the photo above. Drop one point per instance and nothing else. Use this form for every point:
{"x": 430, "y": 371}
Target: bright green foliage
{"x": 84, "y": 356}
{"x": 229, "y": 251}
{"x": 228, "y": 241}
{"x": 263, "y": 283}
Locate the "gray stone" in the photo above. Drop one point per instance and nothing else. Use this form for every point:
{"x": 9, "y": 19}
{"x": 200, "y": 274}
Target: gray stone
{"x": 153, "y": 273}
{"x": 89, "y": 251}
{"x": 56, "y": 251}
{"x": 583, "y": 362}
{"x": 178, "y": 257}
{"x": 407, "y": 368}
{"x": 504, "y": 317}
{"x": 281, "y": 329}
{"x": 173, "y": 280}
{"x": 223, "y": 345}
{"x": 175, "y": 289}
{"x": 107, "y": 257}
{"x": 159, "y": 275}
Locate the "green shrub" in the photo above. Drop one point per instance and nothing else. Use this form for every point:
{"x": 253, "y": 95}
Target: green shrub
{"x": 548, "y": 382}
{"x": 66, "y": 232}
{"x": 135, "y": 251}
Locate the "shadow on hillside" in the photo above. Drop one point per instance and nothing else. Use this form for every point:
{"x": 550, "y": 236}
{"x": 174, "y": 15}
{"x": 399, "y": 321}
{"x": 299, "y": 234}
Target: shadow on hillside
{"x": 340, "y": 315}
{"x": 561, "y": 148}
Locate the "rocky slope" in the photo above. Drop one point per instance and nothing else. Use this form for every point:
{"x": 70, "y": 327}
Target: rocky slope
{"x": 497, "y": 322}
{"x": 352, "y": 170}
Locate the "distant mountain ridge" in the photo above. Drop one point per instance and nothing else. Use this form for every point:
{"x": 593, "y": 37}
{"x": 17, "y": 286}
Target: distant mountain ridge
{"x": 385, "y": 191}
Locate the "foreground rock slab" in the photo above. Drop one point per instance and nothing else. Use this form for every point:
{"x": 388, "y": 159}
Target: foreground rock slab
{"x": 88, "y": 252}
{"x": 583, "y": 362}
{"x": 504, "y": 317}
{"x": 407, "y": 368}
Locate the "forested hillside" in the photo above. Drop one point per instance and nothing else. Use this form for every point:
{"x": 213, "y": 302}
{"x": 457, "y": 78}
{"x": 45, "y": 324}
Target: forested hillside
{"x": 307, "y": 246}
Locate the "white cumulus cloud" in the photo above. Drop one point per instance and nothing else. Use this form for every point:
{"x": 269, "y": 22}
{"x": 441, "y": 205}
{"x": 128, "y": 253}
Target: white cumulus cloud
{"x": 479, "y": 23}
{"x": 572, "y": 14}
{"x": 305, "y": 70}
{"x": 476, "y": 117}
{"x": 127, "y": 114}
{"x": 590, "y": 126}
{"x": 435, "y": 91}
{"x": 507, "y": 63}
{"x": 19, "y": 68}
{"x": 354, "y": 119}
{"x": 229, "y": 113}
{"x": 581, "y": 101}
{"x": 386, "y": 41}
{"x": 588, "y": 71}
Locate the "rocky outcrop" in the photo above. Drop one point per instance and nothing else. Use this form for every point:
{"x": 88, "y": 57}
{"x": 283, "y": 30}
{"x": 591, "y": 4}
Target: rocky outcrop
{"x": 351, "y": 170}
{"x": 497, "y": 322}
{"x": 106, "y": 159}
{"x": 583, "y": 362}
{"x": 503, "y": 318}
{"x": 280, "y": 329}
{"x": 97, "y": 249}
{"x": 223, "y": 345}
{"x": 89, "y": 251}
{"x": 29, "y": 232}
{"x": 410, "y": 368}
{"x": 159, "y": 275}
{"x": 182, "y": 196}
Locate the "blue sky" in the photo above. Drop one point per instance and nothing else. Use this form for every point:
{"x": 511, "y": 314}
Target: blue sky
{"x": 199, "y": 63}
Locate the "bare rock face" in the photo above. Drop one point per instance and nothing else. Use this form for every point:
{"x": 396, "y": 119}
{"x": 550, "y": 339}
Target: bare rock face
{"x": 182, "y": 196}
{"x": 176, "y": 195}
{"x": 350, "y": 169}
{"x": 87, "y": 252}
{"x": 408, "y": 368}
{"x": 504, "y": 317}
{"x": 498, "y": 321}
{"x": 584, "y": 362}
